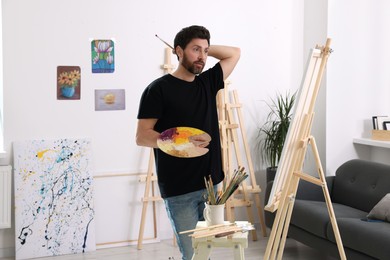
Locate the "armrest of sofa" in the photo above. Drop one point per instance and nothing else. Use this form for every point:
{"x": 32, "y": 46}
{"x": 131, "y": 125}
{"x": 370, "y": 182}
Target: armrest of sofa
{"x": 310, "y": 191}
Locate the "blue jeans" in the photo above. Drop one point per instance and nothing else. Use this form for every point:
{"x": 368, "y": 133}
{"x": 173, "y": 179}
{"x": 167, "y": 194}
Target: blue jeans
{"x": 184, "y": 212}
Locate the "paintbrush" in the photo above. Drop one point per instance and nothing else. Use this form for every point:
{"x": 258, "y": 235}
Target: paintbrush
{"x": 222, "y": 196}
{"x": 167, "y": 44}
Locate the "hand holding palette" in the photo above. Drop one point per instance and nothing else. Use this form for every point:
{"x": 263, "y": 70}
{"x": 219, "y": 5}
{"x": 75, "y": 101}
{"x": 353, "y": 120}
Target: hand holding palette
{"x": 184, "y": 142}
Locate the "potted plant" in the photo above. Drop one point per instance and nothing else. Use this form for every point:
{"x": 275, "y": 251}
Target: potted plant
{"x": 274, "y": 131}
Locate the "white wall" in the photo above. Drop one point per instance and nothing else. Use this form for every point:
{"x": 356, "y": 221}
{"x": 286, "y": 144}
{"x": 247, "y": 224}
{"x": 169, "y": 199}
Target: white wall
{"x": 358, "y": 82}
{"x": 40, "y": 35}
{"x": 315, "y": 32}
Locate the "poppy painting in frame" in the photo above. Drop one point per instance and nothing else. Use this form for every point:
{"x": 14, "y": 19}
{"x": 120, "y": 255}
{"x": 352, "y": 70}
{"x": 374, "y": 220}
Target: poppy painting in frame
{"x": 103, "y": 54}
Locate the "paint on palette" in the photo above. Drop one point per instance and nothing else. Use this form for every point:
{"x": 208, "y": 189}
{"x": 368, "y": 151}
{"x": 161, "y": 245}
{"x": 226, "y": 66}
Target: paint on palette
{"x": 184, "y": 142}
{"x": 54, "y": 213}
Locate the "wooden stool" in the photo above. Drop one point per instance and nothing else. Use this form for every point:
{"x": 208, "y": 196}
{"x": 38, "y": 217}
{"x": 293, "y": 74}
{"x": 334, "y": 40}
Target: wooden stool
{"x": 203, "y": 246}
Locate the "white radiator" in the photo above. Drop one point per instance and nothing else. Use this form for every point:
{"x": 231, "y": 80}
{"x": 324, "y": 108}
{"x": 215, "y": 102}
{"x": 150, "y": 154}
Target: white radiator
{"x": 5, "y": 196}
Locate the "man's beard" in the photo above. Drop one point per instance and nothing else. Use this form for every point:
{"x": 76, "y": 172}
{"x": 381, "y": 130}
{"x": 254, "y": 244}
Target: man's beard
{"x": 192, "y": 67}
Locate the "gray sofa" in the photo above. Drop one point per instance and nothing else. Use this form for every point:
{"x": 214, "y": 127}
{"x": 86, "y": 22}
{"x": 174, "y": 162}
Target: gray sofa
{"x": 355, "y": 189}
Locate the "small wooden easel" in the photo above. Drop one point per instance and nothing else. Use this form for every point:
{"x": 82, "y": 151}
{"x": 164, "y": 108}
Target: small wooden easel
{"x": 229, "y": 138}
{"x": 289, "y": 172}
{"x": 150, "y": 178}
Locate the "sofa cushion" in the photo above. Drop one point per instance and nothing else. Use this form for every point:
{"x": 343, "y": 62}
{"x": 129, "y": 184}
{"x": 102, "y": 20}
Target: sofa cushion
{"x": 369, "y": 237}
{"x": 361, "y": 184}
{"x": 313, "y": 216}
{"x": 381, "y": 210}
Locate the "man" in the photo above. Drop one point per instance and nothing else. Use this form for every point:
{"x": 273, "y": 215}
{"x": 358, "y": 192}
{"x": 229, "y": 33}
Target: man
{"x": 187, "y": 97}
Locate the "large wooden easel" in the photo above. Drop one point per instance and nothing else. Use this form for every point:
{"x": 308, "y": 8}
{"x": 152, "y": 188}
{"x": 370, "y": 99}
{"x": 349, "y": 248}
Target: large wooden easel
{"x": 289, "y": 172}
{"x": 150, "y": 178}
{"x": 228, "y": 109}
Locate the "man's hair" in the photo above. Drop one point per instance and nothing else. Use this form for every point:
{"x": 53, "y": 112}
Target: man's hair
{"x": 192, "y": 32}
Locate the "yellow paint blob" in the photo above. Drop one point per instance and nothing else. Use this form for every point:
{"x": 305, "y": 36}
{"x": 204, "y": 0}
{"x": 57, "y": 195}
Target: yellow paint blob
{"x": 42, "y": 153}
{"x": 183, "y": 133}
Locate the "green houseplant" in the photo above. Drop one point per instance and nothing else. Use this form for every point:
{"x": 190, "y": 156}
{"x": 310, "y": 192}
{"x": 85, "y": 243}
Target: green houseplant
{"x": 274, "y": 131}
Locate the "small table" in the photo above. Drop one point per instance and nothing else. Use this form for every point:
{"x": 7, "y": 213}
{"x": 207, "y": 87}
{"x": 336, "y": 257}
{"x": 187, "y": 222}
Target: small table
{"x": 203, "y": 246}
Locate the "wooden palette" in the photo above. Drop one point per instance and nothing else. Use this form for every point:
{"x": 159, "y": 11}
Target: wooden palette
{"x": 184, "y": 142}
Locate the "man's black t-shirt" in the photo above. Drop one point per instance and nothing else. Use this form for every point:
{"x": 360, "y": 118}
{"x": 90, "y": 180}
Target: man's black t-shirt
{"x": 178, "y": 103}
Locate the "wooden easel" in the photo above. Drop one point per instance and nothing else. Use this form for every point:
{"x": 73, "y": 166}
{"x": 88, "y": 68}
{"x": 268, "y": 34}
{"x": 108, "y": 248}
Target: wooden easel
{"x": 289, "y": 172}
{"x": 229, "y": 138}
{"x": 150, "y": 178}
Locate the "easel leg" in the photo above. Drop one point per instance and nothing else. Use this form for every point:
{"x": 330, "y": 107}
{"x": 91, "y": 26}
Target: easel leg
{"x": 142, "y": 226}
{"x": 281, "y": 234}
{"x": 251, "y": 220}
{"x": 261, "y": 214}
{"x": 145, "y": 202}
{"x": 154, "y": 212}
{"x": 273, "y": 242}
{"x": 328, "y": 201}
{"x": 281, "y": 224}
{"x": 285, "y": 228}
{"x": 230, "y": 210}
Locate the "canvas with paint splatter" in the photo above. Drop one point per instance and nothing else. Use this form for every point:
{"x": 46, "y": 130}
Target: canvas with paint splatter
{"x": 54, "y": 213}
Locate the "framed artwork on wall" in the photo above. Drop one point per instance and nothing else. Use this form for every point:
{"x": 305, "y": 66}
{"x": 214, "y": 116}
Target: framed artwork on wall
{"x": 68, "y": 82}
{"x": 103, "y": 56}
{"x": 110, "y": 99}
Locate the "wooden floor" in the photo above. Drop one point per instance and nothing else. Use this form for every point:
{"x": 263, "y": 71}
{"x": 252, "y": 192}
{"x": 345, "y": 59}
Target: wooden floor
{"x": 166, "y": 250}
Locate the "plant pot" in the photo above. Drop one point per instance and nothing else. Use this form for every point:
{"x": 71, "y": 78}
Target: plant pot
{"x": 271, "y": 172}
{"x": 67, "y": 91}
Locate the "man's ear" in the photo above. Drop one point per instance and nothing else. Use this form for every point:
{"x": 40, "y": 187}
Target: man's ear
{"x": 179, "y": 52}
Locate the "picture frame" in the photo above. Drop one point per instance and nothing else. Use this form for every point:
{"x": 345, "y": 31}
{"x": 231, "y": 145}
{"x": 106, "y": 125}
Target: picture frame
{"x": 386, "y": 125}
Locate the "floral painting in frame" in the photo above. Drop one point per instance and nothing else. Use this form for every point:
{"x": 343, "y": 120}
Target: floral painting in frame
{"x": 103, "y": 56}
{"x": 68, "y": 82}
{"x": 54, "y": 209}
